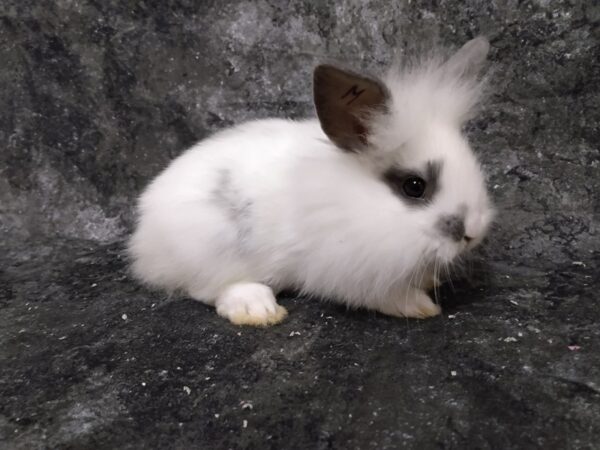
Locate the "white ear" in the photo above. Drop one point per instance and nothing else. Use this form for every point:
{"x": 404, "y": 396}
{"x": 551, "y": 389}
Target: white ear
{"x": 469, "y": 60}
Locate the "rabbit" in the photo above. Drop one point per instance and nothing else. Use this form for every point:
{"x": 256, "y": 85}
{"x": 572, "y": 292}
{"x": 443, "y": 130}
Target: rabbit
{"x": 362, "y": 205}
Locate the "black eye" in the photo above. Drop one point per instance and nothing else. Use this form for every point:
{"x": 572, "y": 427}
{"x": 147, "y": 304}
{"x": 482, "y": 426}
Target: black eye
{"x": 414, "y": 187}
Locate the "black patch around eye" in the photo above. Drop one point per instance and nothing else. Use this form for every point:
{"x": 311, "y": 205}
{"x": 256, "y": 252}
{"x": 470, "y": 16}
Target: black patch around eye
{"x": 432, "y": 175}
{"x": 415, "y": 187}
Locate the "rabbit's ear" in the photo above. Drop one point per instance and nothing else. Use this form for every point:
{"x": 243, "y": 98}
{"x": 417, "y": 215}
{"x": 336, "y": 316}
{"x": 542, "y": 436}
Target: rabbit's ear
{"x": 344, "y": 101}
{"x": 470, "y": 58}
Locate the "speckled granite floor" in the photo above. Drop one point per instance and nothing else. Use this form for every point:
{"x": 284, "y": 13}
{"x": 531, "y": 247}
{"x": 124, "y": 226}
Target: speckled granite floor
{"x": 97, "y": 96}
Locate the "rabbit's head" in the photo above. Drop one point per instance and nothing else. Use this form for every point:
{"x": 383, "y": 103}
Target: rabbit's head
{"x": 406, "y": 128}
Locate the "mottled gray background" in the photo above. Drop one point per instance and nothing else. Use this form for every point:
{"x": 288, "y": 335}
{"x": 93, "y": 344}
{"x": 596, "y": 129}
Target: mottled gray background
{"x": 97, "y": 96}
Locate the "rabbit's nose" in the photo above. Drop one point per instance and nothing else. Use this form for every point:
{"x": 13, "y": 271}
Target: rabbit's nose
{"x": 452, "y": 226}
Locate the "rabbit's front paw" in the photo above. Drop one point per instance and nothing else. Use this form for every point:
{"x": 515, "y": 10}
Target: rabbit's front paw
{"x": 430, "y": 284}
{"x": 415, "y": 304}
{"x": 250, "y": 304}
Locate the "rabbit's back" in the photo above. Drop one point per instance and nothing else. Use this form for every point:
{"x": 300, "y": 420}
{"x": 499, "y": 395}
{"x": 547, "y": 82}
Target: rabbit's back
{"x": 215, "y": 214}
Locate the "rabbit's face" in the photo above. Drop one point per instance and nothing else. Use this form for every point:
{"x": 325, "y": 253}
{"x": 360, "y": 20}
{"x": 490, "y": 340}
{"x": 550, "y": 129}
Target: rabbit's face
{"x": 438, "y": 178}
{"x": 407, "y": 130}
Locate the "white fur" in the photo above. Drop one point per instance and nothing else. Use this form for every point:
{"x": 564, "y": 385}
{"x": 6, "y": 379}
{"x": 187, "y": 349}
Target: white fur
{"x": 275, "y": 202}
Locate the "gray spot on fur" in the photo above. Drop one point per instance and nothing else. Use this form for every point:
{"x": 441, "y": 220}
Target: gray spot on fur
{"x": 452, "y": 226}
{"x": 237, "y": 209}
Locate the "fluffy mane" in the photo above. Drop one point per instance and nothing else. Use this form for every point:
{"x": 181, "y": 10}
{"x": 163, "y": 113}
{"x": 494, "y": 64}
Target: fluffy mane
{"x": 430, "y": 90}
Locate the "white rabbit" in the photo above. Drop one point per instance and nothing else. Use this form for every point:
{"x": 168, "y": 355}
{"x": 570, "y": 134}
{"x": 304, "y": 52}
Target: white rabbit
{"x": 363, "y": 205}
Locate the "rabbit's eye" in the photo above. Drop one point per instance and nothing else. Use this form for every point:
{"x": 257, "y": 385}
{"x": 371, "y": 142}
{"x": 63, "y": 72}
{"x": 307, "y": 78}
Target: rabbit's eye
{"x": 414, "y": 187}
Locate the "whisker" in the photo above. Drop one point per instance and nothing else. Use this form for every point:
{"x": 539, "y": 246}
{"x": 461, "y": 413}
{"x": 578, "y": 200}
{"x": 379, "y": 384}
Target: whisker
{"x": 447, "y": 267}
{"x": 435, "y": 293}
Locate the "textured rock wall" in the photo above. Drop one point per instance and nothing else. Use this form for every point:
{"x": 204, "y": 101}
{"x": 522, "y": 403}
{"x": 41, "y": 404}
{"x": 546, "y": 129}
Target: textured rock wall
{"x": 97, "y": 97}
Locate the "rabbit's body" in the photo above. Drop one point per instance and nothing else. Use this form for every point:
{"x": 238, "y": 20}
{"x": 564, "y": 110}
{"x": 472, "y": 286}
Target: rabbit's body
{"x": 276, "y": 204}
{"x": 221, "y": 214}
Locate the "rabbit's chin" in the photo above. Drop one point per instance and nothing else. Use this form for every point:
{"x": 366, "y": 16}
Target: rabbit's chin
{"x": 448, "y": 252}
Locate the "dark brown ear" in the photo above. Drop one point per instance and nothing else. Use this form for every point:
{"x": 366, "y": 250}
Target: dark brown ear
{"x": 343, "y": 101}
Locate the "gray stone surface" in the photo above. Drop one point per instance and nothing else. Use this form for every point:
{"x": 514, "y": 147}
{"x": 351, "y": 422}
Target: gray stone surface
{"x": 96, "y": 97}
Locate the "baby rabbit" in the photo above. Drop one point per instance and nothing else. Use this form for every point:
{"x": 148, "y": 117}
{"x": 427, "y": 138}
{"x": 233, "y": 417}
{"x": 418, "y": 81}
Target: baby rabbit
{"x": 363, "y": 205}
